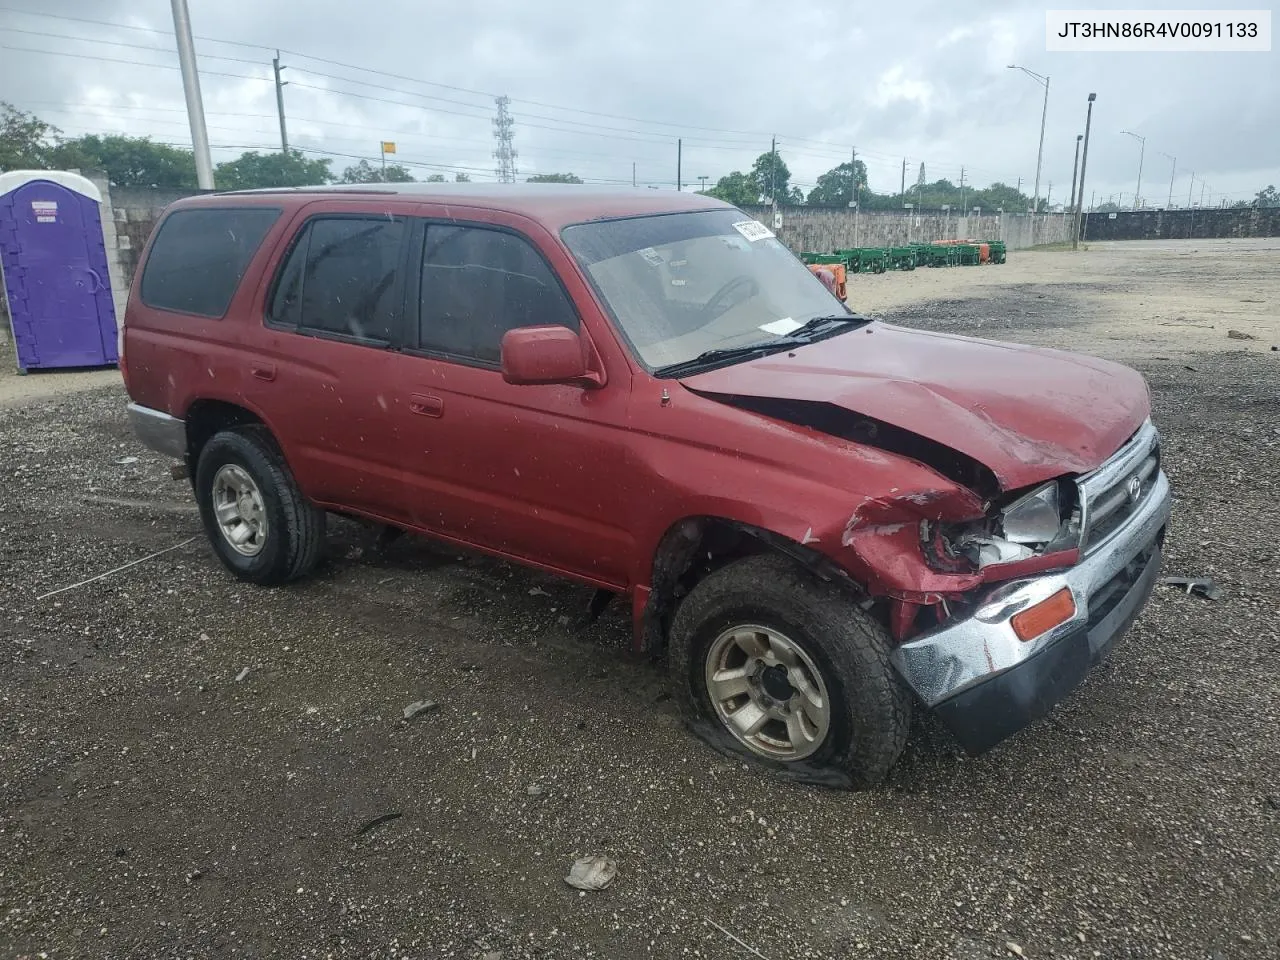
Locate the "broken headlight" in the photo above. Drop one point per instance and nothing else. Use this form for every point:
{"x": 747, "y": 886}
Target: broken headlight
{"x": 1045, "y": 520}
{"x": 1034, "y": 518}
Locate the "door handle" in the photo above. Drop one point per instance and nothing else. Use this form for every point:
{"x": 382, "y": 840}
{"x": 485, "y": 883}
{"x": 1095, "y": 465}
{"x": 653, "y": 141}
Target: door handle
{"x": 264, "y": 371}
{"x": 426, "y": 406}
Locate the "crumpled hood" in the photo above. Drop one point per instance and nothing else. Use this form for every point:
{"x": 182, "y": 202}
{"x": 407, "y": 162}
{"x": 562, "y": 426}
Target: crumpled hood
{"x": 1027, "y": 413}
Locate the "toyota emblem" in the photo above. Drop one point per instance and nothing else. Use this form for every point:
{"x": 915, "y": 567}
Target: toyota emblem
{"x": 1134, "y": 488}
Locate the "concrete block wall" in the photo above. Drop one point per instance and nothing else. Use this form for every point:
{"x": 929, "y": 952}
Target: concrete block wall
{"x": 1182, "y": 224}
{"x": 824, "y": 229}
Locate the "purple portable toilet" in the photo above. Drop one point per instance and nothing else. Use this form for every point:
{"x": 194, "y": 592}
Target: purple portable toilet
{"x": 54, "y": 262}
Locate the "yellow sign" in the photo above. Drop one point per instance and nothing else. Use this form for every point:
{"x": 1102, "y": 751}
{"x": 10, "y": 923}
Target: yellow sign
{"x": 388, "y": 146}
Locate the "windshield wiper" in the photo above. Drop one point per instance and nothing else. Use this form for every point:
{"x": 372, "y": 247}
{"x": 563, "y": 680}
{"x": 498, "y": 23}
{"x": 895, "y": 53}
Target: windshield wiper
{"x": 725, "y": 354}
{"x": 815, "y": 324}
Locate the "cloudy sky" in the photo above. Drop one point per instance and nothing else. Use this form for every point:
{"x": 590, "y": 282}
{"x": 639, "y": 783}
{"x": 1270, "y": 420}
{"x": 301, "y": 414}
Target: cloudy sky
{"x": 597, "y": 87}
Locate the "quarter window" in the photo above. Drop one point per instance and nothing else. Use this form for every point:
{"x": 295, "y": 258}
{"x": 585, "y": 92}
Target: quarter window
{"x": 477, "y": 284}
{"x": 199, "y": 257}
{"x": 343, "y": 277}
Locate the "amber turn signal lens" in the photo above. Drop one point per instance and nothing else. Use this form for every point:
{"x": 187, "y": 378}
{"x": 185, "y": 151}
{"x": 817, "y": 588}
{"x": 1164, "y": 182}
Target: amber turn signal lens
{"x": 1045, "y": 615}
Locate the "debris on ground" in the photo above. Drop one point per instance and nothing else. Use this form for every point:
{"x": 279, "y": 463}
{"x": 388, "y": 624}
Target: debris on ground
{"x": 1240, "y": 335}
{"x": 377, "y": 822}
{"x": 538, "y": 592}
{"x": 535, "y": 789}
{"x": 1204, "y": 586}
{"x": 745, "y": 946}
{"x": 242, "y": 674}
{"x": 1014, "y": 949}
{"x": 592, "y": 873}
{"x": 419, "y": 707}
{"x": 125, "y": 461}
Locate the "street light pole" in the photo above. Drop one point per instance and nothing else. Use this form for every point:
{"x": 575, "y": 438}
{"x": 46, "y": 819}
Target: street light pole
{"x": 1044, "y": 115}
{"x": 1084, "y": 161}
{"x": 191, "y": 89}
{"x": 1172, "y": 173}
{"x": 1075, "y": 170}
{"x": 1142, "y": 152}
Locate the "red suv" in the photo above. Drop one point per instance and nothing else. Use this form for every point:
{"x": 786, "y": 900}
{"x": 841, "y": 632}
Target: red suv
{"x": 821, "y": 519}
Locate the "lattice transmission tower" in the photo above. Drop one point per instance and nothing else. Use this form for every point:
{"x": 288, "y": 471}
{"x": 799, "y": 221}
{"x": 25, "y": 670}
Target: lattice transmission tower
{"x": 506, "y": 153}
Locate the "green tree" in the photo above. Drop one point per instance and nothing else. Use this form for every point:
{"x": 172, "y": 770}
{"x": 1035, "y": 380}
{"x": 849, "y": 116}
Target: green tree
{"x": 256, "y": 170}
{"x": 461, "y": 178}
{"x": 365, "y": 172}
{"x": 435, "y": 178}
{"x": 129, "y": 161}
{"x": 1268, "y": 197}
{"x": 772, "y": 177}
{"x": 835, "y": 187}
{"x": 24, "y": 139}
{"x": 1001, "y": 196}
{"x": 737, "y": 188}
{"x": 554, "y": 178}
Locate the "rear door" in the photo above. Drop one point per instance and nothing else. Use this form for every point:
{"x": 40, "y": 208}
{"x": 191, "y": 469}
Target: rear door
{"x": 322, "y": 367}
{"x": 534, "y": 472}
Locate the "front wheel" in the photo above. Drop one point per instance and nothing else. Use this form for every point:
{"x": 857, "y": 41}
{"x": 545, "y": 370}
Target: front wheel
{"x": 775, "y": 666}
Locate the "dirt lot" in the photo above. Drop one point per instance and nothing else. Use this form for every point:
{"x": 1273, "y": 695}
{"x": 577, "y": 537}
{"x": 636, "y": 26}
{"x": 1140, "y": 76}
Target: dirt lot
{"x": 158, "y": 801}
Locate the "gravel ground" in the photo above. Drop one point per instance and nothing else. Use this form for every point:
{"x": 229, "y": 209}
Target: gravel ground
{"x": 158, "y": 801}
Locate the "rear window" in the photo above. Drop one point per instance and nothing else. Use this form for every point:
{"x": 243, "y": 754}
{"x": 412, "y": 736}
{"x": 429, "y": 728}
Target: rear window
{"x": 199, "y": 256}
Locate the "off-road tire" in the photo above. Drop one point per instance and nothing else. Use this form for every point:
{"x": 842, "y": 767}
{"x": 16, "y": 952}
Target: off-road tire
{"x": 871, "y": 707}
{"x": 295, "y": 527}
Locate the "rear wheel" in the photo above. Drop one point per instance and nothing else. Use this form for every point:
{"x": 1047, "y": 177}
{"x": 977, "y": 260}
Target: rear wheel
{"x": 261, "y": 526}
{"x": 775, "y": 666}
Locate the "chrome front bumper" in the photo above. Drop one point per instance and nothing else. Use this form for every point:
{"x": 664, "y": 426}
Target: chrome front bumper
{"x": 944, "y": 665}
{"x": 159, "y": 431}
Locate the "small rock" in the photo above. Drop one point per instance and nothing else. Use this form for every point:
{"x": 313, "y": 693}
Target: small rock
{"x": 1080, "y": 935}
{"x": 538, "y": 592}
{"x": 242, "y": 674}
{"x": 1014, "y": 949}
{"x": 592, "y": 873}
{"x": 194, "y": 875}
{"x": 419, "y": 707}
{"x": 493, "y": 955}
{"x": 535, "y": 790}
{"x": 1240, "y": 335}
{"x": 125, "y": 461}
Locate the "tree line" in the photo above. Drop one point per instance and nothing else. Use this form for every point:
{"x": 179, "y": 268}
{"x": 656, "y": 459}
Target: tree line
{"x": 27, "y": 142}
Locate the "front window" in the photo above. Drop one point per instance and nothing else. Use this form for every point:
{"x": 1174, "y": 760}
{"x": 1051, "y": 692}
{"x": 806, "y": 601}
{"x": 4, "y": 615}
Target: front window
{"x": 682, "y": 286}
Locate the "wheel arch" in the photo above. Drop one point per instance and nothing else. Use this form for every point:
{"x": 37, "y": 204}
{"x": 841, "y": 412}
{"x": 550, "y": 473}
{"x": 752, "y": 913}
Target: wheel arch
{"x": 693, "y": 547}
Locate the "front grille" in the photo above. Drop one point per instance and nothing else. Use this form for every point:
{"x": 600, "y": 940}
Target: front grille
{"x": 1104, "y": 599}
{"x": 1111, "y": 494}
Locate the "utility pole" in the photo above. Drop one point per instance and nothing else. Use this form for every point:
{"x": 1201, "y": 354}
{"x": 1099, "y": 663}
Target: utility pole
{"x": 191, "y": 89}
{"x": 1048, "y": 198}
{"x": 853, "y": 177}
{"x": 679, "y": 160}
{"x": 633, "y": 173}
{"x": 773, "y": 171}
{"x": 1084, "y": 162}
{"x": 964, "y": 210}
{"x": 904, "y": 179}
{"x": 1190, "y": 187}
{"x": 1075, "y": 170}
{"x": 1202, "y": 186}
{"x": 284, "y": 134}
{"x": 1172, "y": 173}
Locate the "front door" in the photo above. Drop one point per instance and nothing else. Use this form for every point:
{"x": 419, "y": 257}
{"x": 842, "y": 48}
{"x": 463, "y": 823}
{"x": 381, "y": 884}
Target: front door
{"x": 55, "y": 269}
{"x": 533, "y": 472}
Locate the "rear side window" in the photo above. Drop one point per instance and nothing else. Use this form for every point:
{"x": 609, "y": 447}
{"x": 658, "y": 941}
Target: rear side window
{"x": 342, "y": 277}
{"x": 479, "y": 283}
{"x": 200, "y": 256}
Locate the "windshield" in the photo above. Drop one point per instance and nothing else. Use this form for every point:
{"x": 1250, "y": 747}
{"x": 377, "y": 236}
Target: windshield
{"x": 680, "y": 285}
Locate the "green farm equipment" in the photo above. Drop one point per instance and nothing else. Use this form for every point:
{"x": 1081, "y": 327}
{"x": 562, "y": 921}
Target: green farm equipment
{"x": 823, "y": 259}
{"x": 999, "y": 252}
{"x": 902, "y": 258}
{"x": 936, "y": 255}
{"x": 866, "y": 259}
{"x": 967, "y": 254}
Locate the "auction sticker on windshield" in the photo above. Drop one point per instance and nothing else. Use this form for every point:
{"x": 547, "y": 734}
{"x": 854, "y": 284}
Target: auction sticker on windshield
{"x": 753, "y": 231}
{"x": 781, "y": 327}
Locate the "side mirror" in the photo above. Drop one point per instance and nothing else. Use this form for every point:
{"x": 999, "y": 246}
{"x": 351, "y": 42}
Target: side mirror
{"x": 550, "y": 354}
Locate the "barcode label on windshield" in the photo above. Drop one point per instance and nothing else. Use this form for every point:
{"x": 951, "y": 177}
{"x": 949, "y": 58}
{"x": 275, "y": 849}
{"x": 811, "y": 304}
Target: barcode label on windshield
{"x": 752, "y": 230}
